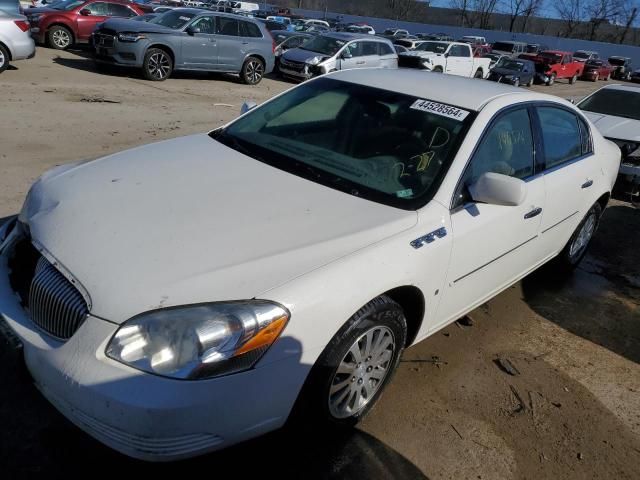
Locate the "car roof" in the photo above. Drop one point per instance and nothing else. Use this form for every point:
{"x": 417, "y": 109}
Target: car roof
{"x": 459, "y": 91}
{"x": 557, "y": 52}
{"x": 348, "y": 36}
{"x": 513, "y": 42}
{"x": 620, "y": 58}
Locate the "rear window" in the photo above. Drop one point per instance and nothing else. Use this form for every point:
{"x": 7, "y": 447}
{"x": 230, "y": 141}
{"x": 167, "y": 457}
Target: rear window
{"x": 250, "y": 29}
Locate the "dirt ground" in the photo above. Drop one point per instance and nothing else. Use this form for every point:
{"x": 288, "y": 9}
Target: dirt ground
{"x": 571, "y": 412}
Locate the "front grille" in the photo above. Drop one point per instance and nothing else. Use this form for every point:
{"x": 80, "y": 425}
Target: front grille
{"x": 291, "y": 65}
{"x": 53, "y": 302}
{"x": 103, "y": 40}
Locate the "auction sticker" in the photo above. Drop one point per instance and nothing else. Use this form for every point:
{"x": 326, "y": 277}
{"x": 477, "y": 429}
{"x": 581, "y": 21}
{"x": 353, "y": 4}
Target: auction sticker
{"x": 440, "y": 109}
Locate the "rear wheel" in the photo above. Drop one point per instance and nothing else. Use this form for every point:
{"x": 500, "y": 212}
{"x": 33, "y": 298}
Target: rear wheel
{"x": 252, "y": 71}
{"x": 552, "y": 79}
{"x": 60, "y": 37}
{"x": 516, "y": 82}
{"x": 437, "y": 70}
{"x": 573, "y": 79}
{"x": 530, "y": 82}
{"x": 355, "y": 367}
{"x": 157, "y": 65}
{"x": 576, "y": 248}
{"x": 478, "y": 74}
{"x": 4, "y": 59}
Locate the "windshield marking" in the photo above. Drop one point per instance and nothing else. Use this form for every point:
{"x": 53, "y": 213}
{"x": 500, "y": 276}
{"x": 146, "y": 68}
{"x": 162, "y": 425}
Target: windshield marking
{"x": 440, "y": 109}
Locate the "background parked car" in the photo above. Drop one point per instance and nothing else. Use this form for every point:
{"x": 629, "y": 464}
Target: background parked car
{"x": 622, "y": 68}
{"x": 585, "y": 55}
{"x": 73, "y": 21}
{"x": 553, "y": 64}
{"x": 513, "y": 71}
{"x": 272, "y": 25}
{"x": 595, "y": 70}
{"x": 15, "y": 41}
{"x": 536, "y": 48}
{"x": 188, "y": 39}
{"x": 338, "y": 51}
{"x": 395, "y": 33}
{"x": 286, "y": 40}
{"x": 453, "y": 58}
{"x": 635, "y": 76}
{"x": 494, "y": 58}
{"x": 408, "y": 43}
{"x": 510, "y": 48}
{"x": 10, "y": 6}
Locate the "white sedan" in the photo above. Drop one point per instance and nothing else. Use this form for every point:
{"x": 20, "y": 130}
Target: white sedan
{"x": 15, "y": 39}
{"x": 181, "y": 297}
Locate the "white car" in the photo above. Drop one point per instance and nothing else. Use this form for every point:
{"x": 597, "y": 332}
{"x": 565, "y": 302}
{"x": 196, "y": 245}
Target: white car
{"x": 615, "y": 111}
{"x": 15, "y": 39}
{"x": 183, "y": 296}
{"x": 453, "y": 58}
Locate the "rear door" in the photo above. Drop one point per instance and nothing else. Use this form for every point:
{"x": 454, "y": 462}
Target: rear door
{"x": 388, "y": 57}
{"x": 200, "y": 50}
{"x": 370, "y": 54}
{"x": 230, "y": 57}
{"x": 87, "y": 23}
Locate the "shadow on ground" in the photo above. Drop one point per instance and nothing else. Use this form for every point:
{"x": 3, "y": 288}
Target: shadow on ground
{"x": 600, "y": 301}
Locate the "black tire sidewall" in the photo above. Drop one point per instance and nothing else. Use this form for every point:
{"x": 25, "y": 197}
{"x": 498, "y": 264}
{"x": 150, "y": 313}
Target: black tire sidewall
{"x": 145, "y": 65}
{"x": 243, "y": 72}
{"x": 565, "y": 258}
{"x": 312, "y": 405}
{"x": 5, "y": 53}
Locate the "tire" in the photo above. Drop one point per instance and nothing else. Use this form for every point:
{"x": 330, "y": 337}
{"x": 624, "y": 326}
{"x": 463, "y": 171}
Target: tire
{"x": 157, "y": 65}
{"x": 552, "y": 79}
{"x": 627, "y": 77}
{"x": 335, "y": 393}
{"x": 516, "y": 82}
{"x": 4, "y": 59}
{"x": 437, "y": 70}
{"x": 530, "y": 83}
{"x": 478, "y": 74}
{"x": 608, "y": 77}
{"x": 252, "y": 71}
{"x": 59, "y": 37}
{"x": 573, "y": 79}
{"x": 576, "y": 247}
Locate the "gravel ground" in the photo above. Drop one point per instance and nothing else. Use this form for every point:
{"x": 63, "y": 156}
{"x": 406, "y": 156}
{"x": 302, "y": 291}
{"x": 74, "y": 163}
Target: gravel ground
{"x": 573, "y": 411}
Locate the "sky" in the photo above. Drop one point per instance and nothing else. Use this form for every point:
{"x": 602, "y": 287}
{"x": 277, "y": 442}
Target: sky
{"x": 547, "y": 11}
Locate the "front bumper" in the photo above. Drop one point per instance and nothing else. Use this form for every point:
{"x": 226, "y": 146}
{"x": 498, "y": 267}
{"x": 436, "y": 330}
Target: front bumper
{"x": 125, "y": 54}
{"x": 503, "y": 79}
{"x": 142, "y": 415}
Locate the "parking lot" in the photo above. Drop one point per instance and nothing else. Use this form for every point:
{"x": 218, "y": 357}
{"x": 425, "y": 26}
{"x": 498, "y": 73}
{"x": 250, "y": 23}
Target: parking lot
{"x": 572, "y": 409}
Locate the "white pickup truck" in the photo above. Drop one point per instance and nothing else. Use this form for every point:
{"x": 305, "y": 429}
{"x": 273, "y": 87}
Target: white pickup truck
{"x": 454, "y": 58}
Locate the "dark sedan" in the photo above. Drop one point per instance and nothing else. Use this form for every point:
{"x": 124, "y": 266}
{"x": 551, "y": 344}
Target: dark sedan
{"x": 188, "y": 39}
{"x": 515, "y": 72}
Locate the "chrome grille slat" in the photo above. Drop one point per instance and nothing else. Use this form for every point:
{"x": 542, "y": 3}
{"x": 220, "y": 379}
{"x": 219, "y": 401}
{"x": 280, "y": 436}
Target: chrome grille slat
{"x": 55, "y": 305}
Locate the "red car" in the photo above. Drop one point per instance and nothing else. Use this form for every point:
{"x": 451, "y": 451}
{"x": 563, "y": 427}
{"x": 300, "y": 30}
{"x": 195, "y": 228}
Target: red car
{"x": 595, "y": 70}
{"x": 73, "y": 21}
{"x": 552, "y": 65}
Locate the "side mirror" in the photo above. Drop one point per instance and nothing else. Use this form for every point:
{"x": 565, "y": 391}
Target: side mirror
{"x": 192, "y": 30}
{"x": 246, "y": 106}
{"x": 446, "y": 54}
{"x": 346, "y": 55}
{"x": 498, "y": 189}
{"x": 85, "y": 12}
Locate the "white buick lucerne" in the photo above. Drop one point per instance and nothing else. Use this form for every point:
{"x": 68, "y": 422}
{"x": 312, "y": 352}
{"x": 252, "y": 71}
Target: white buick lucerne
{"x": 183, "y": 296}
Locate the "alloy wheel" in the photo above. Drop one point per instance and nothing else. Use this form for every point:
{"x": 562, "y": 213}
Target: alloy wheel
{"x": 3, "y": 59}
{"x": 361, "y": 372}
{"x": 254, "y": 71}
{"x": 159, "y": 65}
{"x": 583, "y": 237}
{"x": 61, "y": 38}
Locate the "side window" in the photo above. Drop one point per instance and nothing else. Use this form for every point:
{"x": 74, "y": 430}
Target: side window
{"x": 117, "y": 10}
{"x": 248, "y": 29}
{"x": 560, "y": 134}
{"x": 228, "y": 26}
{"x": 99, "y": 8}
{"x": 206, "y": 25}
{"x": 354, "y": 49}
{"x": 384, "y": 49}
{"x": 585, "y": 135}
{"x": 459, "y": 51}
{"x": 369, "y": 48}
{"x": 506, "y": 148}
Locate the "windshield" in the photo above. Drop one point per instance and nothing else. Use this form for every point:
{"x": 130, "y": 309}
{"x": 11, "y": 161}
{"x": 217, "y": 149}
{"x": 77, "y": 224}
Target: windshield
{"x": 610, "y": 101}
{"x": 67, "y": 5}
{"x": 173, "y": 19}
{"x": 385, "y": 146}
{"x": 580, "y": 54}
{"x": 324, "y": 45}
{"x": 437, "y": 47}
{"x": 616, "y": 61}
{"x": 502, "y": 46}
{"x": 509, "y": 64}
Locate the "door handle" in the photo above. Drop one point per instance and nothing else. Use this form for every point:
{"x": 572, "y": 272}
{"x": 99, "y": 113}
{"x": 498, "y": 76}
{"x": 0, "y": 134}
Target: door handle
{"x": 587, "y": 184}
{"x": 533, "y": 213}
{"x": 360, "y": 63}
{"x": 245, "y": 43}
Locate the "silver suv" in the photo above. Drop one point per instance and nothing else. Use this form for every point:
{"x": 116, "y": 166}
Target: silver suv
{"x": 337, "y": 51}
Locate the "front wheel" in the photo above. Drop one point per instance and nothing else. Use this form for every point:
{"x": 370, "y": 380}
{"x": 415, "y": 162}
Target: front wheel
{"x": 573, "y": 79}
{"x": 60, "y": 37}
{"x": 252, "y": 71}
{"x": 355, "y": 367}
{"x": 516, "y": 82}
{"x": 530, "y": 82}
{"x": 4, "y": 59}
{"x": 478, "y": 74}
{"x": 577, "y": 246}
{"x": 552, "y": 79}
{"x": 157, "y": 65}
{"x": 437, "y": 70}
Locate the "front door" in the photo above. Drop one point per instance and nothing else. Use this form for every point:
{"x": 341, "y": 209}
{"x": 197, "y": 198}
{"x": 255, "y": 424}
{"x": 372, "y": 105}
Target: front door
{"x": 200, "y": 50}
{"x": 230, "y": 57}
{"x": 494, "y": 244}
{"x": 459, "y": 61}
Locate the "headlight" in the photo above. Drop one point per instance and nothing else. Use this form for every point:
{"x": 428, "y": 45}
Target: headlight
{"x": 130, "y": 37}
{"x": 199, "y": 341}
{"x": 314, "y": 61}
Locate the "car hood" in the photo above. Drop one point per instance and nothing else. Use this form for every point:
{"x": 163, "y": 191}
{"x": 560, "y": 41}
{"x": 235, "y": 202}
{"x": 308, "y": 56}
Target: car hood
{"x": 506, "y": 71}
{"x": 419, "y": 53}
{"x": 190, "y": 220}
{"x": 125, "y": 25}
{"x": 615, "y": 127}
{"x": 300, "y": 55}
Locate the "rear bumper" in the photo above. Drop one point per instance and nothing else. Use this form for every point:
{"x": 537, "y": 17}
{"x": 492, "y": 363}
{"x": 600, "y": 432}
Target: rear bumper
{"x": 23, "y": 48}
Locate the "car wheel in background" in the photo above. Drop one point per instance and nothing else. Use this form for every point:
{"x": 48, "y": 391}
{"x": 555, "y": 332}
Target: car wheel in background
{"x": 354, "y": 368}
{"x": 157, "y": 65}
{"x": 60, "y": 37}
{"x": 530, "y": 82}
{"x": 252, "y": 71}
{"x": 552, "y": 79}
{"x": 478, "y": 74}
{"x": 4, "y": 59}
{"x": 608, "y": 77}
{"x": 577, "y": 246}
{"x": 627, "y": 77}
{"x": 437, "y": 70}
{"x": 573, "y": 79}
{"x": 516, "y": 82}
